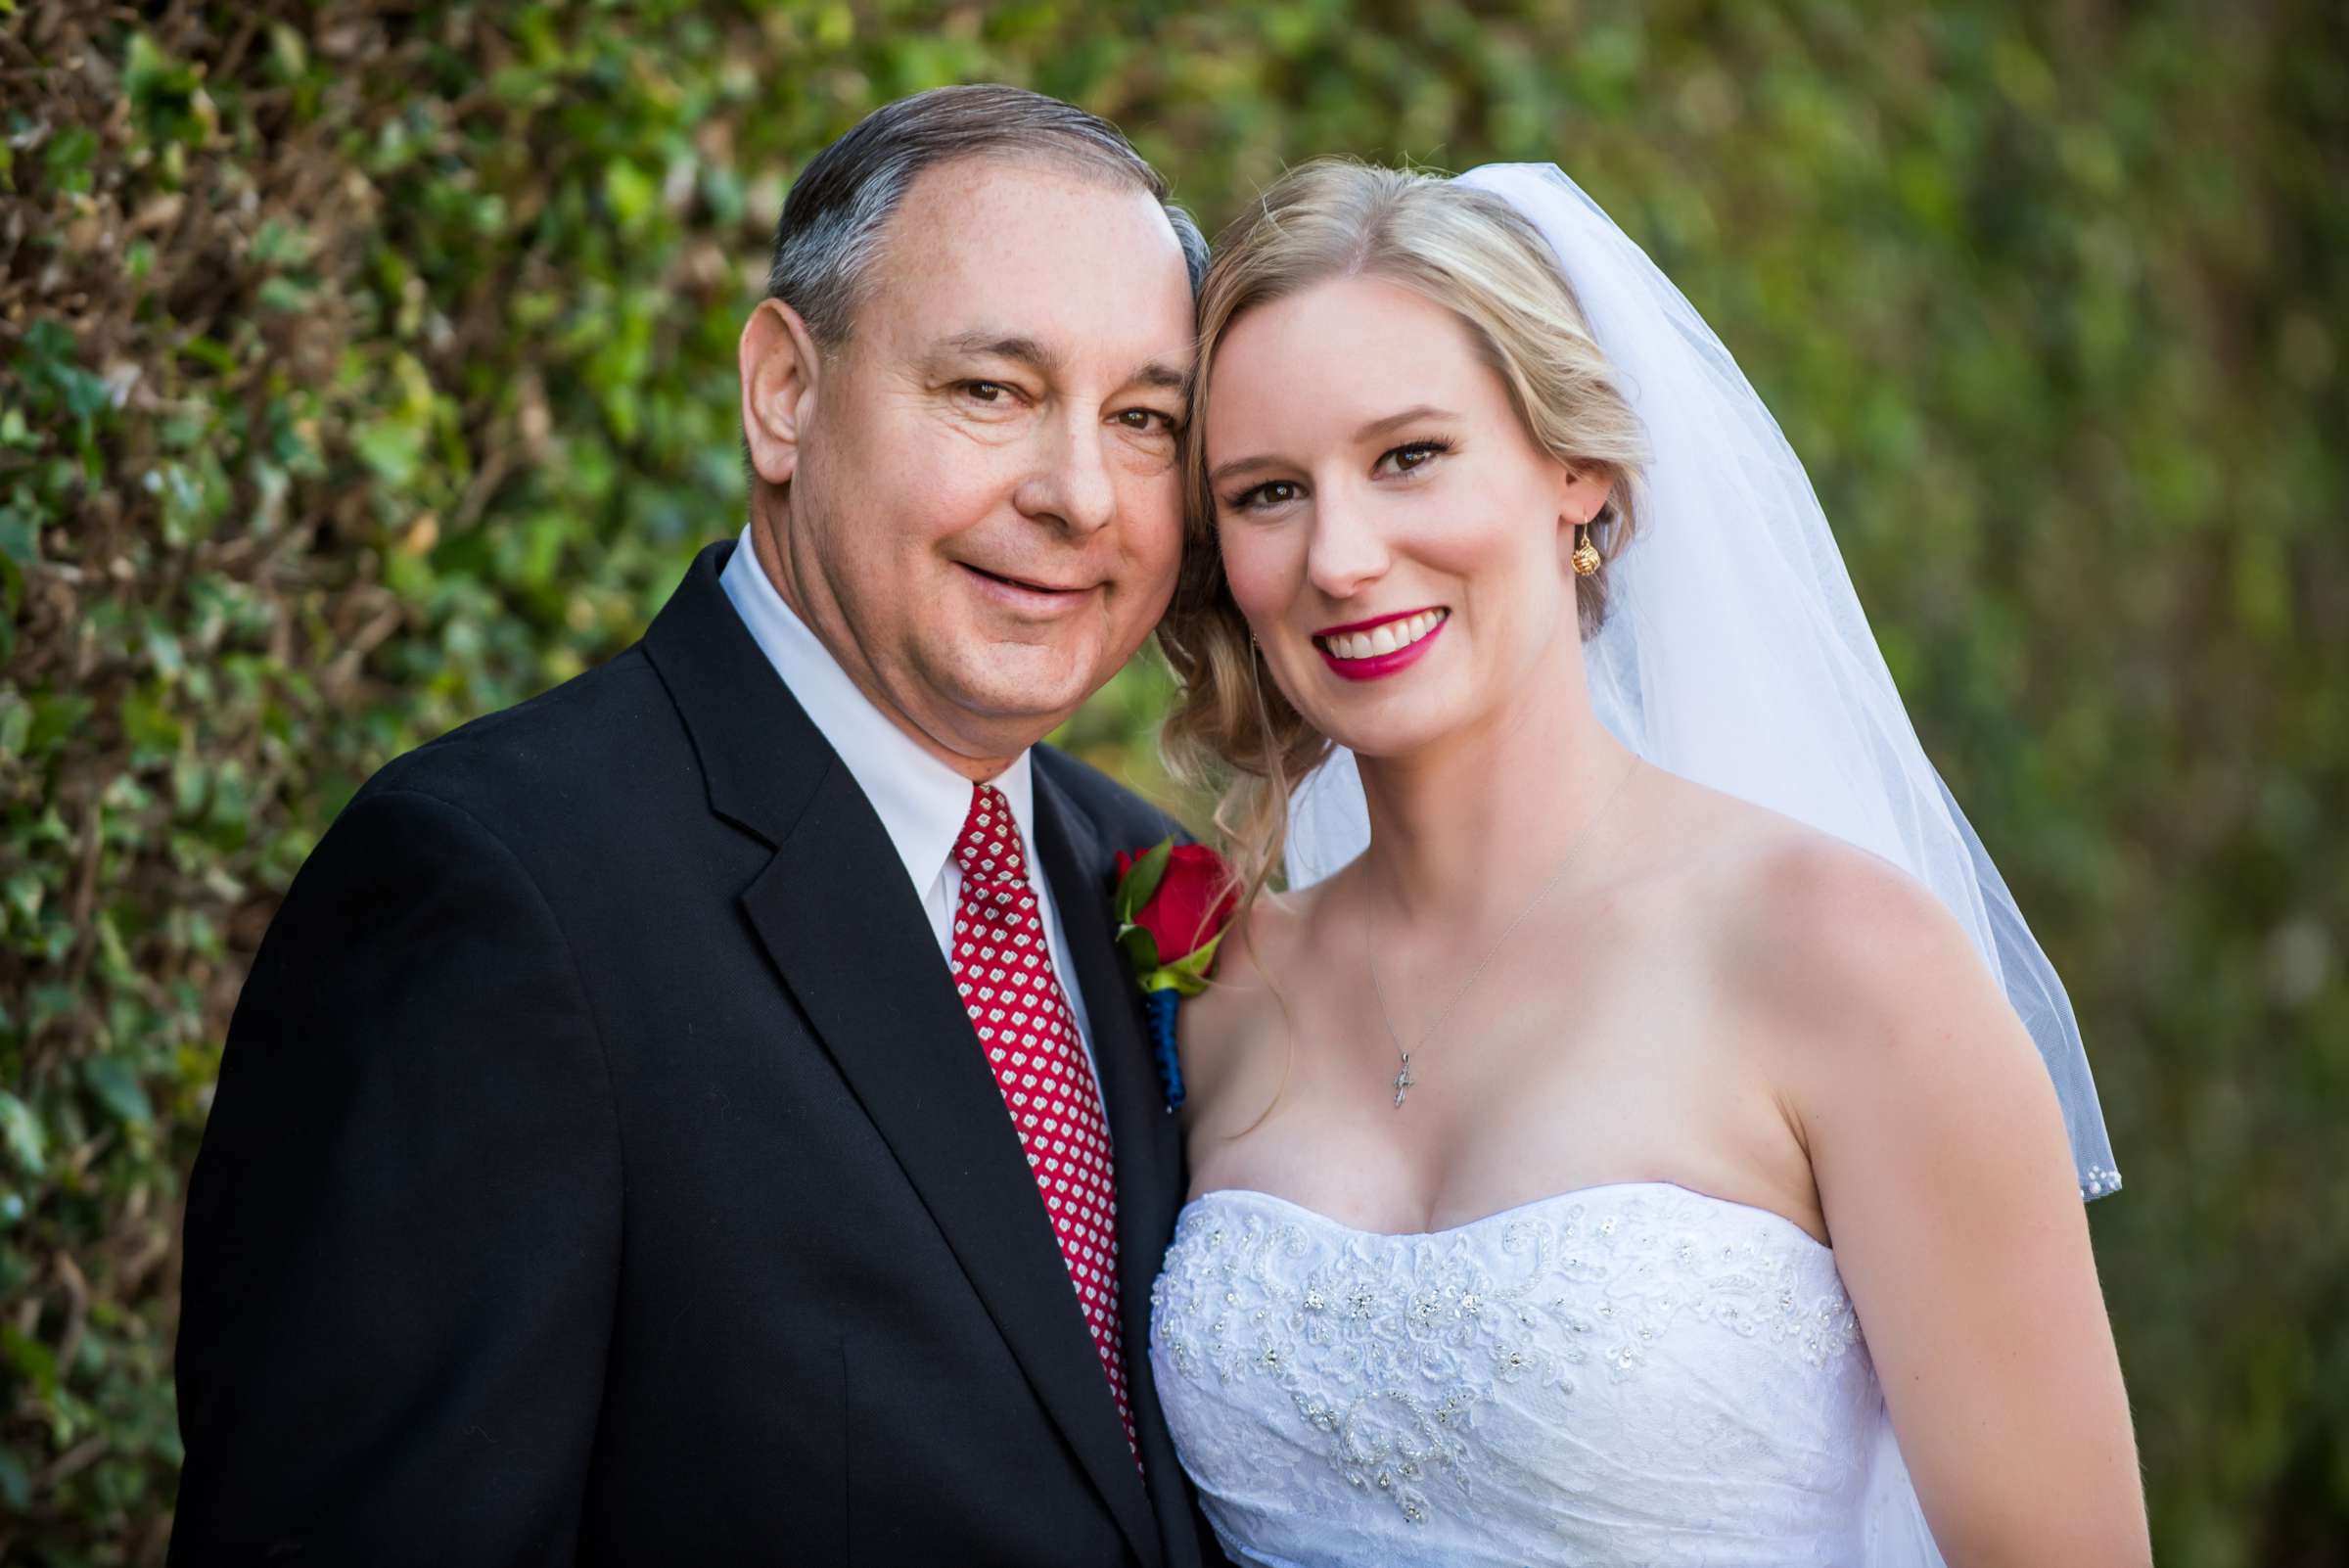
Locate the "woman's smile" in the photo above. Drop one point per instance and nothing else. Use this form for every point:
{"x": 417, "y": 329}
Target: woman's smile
{"x": 1367, "y": 650}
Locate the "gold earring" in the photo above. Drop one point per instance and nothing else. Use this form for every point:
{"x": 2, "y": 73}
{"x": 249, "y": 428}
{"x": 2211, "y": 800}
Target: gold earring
{"x": 1587, "y": 559}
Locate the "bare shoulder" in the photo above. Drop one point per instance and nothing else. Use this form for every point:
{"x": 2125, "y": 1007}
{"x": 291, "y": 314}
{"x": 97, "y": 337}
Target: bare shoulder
{"x": 1834, "y": 968}
{"x": 1822, "y": 926}
{"x": 1791, "y": 918}
{"x": 1821, "y": 959}
{"x": 1883, "y": 1020}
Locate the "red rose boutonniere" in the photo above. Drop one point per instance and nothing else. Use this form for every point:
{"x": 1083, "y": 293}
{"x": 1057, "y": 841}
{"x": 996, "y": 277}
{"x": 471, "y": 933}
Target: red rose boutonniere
{"x": 1174, "y": 902}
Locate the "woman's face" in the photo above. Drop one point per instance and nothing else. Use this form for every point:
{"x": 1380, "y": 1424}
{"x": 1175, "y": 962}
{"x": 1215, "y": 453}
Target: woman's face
{"x": 1397, "y": 542}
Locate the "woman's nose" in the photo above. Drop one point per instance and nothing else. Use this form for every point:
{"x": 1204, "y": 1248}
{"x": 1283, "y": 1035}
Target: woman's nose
{"x": 1345, "y": 551}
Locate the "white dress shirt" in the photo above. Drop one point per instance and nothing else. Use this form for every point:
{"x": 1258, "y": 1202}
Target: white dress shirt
{"x": 921, "y": 801}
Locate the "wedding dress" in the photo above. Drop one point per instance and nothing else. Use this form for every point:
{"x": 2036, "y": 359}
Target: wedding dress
{"x": 1632, "y": 1373}
{"x": 1635, "y": 1373}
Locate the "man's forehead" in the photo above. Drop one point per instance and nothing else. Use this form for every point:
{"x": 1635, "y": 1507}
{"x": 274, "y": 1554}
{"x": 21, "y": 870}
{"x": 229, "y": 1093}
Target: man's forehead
{"x": 1038, "y": 262}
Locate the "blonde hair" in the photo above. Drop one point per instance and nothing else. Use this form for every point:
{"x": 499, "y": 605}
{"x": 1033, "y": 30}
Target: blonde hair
{"x": 1457, "y": 247}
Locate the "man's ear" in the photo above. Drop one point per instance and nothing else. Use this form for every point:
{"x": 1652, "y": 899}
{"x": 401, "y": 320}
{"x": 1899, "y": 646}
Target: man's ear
{"x": 779, "y": 365}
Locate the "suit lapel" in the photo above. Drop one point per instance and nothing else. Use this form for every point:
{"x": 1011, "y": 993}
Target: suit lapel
{"x": 1146, "y": 1136}
{"x": 846, "y": 933}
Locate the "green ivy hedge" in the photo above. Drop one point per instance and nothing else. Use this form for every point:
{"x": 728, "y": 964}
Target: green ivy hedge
{"x": 365, "y": 366}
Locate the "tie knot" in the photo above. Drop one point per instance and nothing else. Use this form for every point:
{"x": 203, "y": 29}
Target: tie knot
{"x": 988, "y": 850}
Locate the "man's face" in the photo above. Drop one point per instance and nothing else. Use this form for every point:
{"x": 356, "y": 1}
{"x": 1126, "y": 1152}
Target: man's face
{"x": 984, "y": 513}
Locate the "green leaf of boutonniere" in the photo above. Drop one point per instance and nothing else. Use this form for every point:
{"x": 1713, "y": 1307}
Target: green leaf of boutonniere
{"x": 1136, "y": 886}
{"x": 1186, "y": 976}
{"x": 1141, "y": 948}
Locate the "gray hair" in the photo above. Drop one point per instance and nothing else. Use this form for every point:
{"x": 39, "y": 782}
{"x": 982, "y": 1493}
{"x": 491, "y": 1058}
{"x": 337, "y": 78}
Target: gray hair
{"x": 832, "y": 223}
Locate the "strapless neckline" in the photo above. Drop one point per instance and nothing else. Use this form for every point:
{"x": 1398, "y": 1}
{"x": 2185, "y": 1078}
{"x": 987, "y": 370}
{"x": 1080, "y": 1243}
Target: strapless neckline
{"x": 1627, "y": 1371}
{"x": 1519, "y": 1211}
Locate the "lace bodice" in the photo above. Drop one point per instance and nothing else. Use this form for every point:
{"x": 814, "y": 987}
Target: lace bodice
{"x": 1632, "y": 1373}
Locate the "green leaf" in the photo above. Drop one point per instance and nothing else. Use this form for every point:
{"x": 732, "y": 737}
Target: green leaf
{"x": 1141, "y": 948}
{"x": 1136, "y": 886}
{"x": 24, "y": 894}
{"x": 55, "y": 717}
{"x": 393, "y": 447}
{"x": 16, "y": 1484}
{"x": 19, "y": 532}
{"x": 149, "y": 73}
{"x": 20, "y": 1132}
{"x": 32, "y": 1360}
{"x": 632, "y": 192}
{"x": 1200, "y": 959}
{"x": 286, "y": 295}
{"x": 1174, "y": 980}
{"x": 111, "y": 1079}
{"x": 68, "y": 157}
{"x": 288, "y": 51}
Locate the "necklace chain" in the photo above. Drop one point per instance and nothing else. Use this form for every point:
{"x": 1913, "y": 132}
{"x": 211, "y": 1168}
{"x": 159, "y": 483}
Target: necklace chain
{"x": 1402, "y": 1074}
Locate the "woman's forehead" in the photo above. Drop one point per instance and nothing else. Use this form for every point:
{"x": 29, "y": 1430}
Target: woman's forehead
{"x": 1340, "y": 353}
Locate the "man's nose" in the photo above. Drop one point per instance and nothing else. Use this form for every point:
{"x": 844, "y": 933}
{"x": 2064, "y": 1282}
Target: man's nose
{"x": 1345, "y": 551}
{"x": 1072, "y": 484}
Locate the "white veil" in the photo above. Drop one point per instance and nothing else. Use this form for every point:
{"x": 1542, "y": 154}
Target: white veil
{"x": 1734, "y": 652}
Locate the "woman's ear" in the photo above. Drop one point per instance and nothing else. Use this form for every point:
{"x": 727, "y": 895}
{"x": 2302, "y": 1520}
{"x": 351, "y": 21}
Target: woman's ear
{"x": 779, "y": 366}
{"x": 1582, "y": 495}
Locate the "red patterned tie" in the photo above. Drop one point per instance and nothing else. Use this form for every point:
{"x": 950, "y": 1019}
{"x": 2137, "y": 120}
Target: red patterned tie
{"x": 1004, "y": 969}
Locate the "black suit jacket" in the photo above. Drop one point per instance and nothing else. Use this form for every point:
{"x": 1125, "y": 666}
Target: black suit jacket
{"x": 603, "y": 1169}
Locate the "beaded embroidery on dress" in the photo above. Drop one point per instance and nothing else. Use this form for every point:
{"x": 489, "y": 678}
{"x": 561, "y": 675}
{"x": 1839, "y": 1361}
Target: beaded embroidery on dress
{"x": 1630, "y": 1374}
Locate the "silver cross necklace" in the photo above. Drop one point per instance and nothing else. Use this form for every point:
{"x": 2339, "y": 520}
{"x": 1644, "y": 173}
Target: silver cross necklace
{"x": 1403, "y": 1072}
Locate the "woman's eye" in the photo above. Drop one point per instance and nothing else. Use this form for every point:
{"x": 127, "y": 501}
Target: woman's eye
{"x": 1273, "y": 492}
{"x": 1415, "y": 455}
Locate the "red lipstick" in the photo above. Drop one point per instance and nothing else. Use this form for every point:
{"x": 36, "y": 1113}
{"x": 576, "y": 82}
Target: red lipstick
{"x": 1379, "y": 666}
{"x": 1376, "y": 621}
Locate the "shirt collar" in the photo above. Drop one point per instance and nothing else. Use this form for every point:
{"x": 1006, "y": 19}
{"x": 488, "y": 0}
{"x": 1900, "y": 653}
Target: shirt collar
{"x": 921, "y": 801}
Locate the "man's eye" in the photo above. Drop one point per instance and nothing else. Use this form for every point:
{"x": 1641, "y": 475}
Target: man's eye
{"x": 1151, "y": 421}
{"x": 987, "y": 391}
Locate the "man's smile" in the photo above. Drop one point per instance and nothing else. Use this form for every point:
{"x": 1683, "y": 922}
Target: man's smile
{"x": 1030, "y": 594}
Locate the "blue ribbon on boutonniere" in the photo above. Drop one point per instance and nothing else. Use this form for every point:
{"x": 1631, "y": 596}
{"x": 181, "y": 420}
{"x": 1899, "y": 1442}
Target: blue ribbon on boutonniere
{"x": 1173, "y": 903}
{"x": 1158, "y": 1009}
